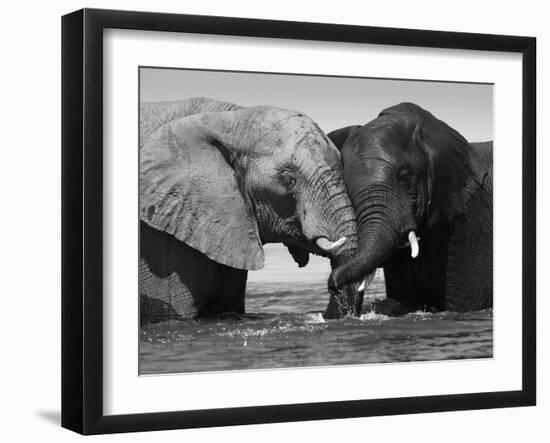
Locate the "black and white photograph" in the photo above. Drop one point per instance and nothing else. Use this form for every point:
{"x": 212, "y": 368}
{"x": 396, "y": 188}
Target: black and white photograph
{"x": 272, "y": 222}
{"x": 294, "y": 221}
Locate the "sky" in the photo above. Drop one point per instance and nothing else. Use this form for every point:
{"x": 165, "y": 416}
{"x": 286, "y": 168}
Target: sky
{"x": 333, "y": 102}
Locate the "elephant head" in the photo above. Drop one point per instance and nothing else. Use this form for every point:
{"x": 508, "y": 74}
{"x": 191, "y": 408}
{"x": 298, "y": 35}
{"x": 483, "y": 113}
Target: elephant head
{"x": 408, "y": 174}
{"x": 228, "y": 181}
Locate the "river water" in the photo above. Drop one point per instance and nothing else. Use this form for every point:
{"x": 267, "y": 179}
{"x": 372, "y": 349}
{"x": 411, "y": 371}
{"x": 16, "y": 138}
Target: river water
{"x": 284, "y": 328}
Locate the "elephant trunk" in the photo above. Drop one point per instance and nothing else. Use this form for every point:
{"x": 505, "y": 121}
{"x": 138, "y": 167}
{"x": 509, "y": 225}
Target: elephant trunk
{"x": 331, "y": 213}
{"x": 382, "y": 228}
{"x": 349, "y": 301}
{"x": 375, "y": 246}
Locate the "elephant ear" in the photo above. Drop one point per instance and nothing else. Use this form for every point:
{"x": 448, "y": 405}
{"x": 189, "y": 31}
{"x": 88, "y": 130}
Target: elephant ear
{"x": 452, "y": 174}
{"x": 190, "y": 189}
{"x": 339, "y": 136}
{"x": 153, "y": 115}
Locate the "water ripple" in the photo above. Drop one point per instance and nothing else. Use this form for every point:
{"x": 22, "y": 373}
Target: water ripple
{"x": 285, "y": 328}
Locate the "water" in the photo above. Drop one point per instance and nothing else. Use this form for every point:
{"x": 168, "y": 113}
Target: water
{"x": 284, "y": 328}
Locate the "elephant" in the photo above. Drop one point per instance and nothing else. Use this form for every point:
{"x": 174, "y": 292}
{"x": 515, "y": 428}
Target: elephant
{"x": 424, "y": 205}
{"x": 217, "y": 181}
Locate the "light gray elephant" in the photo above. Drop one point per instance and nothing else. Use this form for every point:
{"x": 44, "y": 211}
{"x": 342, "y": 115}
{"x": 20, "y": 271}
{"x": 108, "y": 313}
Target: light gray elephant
{"x": 217, "y": 181}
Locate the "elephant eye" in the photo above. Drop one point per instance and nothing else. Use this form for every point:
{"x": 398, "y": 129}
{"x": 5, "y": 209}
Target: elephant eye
{"x": 288, "y": 182}
{"x": 405, "y": 176}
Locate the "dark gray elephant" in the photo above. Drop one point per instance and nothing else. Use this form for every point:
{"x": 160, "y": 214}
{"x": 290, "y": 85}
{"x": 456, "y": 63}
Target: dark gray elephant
{"x": 216, "y": 182}
{"x": 423, "y": 199}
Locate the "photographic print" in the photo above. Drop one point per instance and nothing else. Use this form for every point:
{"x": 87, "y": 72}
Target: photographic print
{"x": 298, "y": 220}
{"x": 265, "y": 203}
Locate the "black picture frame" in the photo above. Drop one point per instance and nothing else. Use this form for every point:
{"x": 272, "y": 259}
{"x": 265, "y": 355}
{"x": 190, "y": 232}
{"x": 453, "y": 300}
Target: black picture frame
{"x": 82, "y": 215}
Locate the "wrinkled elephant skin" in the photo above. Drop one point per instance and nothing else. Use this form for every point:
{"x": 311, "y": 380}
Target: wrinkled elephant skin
{"x": 424, "y": 203}
{"x": 217, "y": 181}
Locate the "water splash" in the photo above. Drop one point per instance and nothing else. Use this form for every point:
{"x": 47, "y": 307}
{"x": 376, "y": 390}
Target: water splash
{"x": 315, "y": 318}
{"x": 373, "y": 316}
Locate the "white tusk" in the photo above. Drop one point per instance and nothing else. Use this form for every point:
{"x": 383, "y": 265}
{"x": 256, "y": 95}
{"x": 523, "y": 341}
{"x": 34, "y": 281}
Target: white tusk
{"x": 414, "y": 244}
{"x": 366, "y": 282}
{"x": 326, "y": 245}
